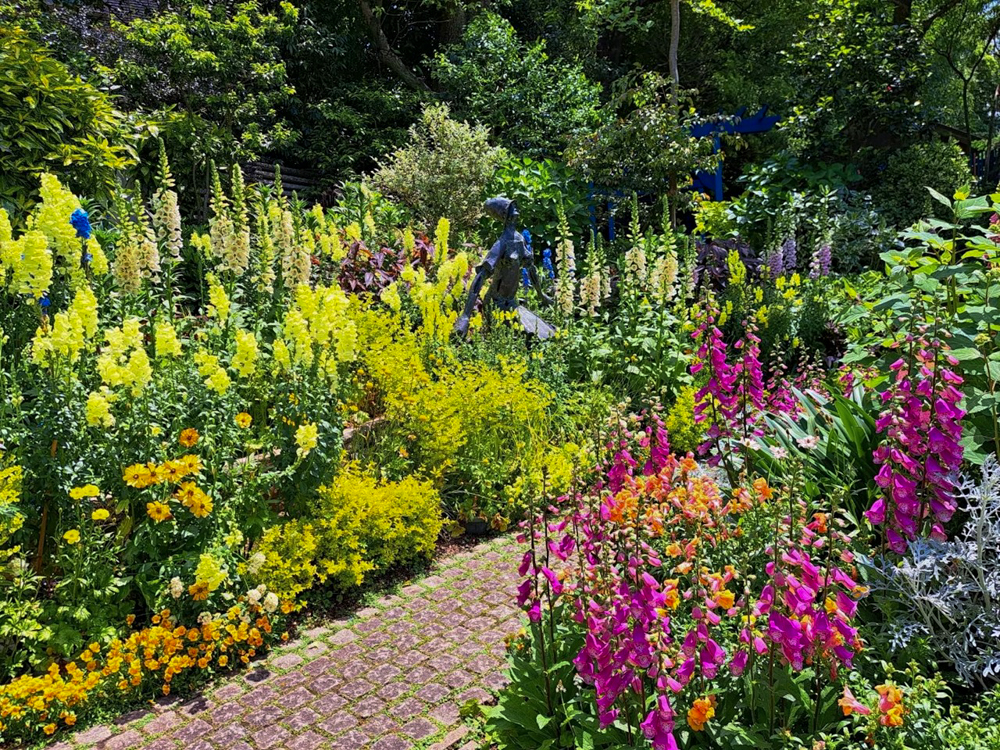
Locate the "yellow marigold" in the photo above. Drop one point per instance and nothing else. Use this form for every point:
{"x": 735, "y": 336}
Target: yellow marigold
{"x": 243, "y": 420}
{"x": 198, "y": 591}
{"x": 49, "y": 729}
{"x": 189, "y": 437}
{"x": 100, "y": 515}
{"x": 194, "y": 499}
{"x": 170, "y": 471}
{"x": 158, "y": 511}
{"x": 699, "y": 714}
{"x": 138, "y": 476}
{"x": 191, "y": 463}
{"x": 72, "y": 536}
{"x": 87, "y": 490}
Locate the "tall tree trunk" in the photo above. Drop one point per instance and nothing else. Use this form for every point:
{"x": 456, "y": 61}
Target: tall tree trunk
{"x": 453, "y": 24}
{"x": 901, "y": 11}
{"x": 675, "y": 84}
{"x": 385, "y": 52}
{"x": 675, "y": 39}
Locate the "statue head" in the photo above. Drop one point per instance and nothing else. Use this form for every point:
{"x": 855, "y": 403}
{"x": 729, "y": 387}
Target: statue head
{"x": 501, "y": 208}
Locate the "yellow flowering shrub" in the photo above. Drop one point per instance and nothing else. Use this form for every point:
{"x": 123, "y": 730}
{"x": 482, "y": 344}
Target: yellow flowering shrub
{"x": 684, "y": 432}
{"x": 360, "y": 526}
{"x": 289, "y": 558}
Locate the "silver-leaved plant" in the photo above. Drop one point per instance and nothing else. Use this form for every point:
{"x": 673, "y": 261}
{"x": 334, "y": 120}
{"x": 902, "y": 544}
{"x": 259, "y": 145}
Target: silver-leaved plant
{"x": 949, "y": 592}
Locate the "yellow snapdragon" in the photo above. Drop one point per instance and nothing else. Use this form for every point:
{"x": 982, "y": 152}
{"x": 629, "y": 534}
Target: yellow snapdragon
{"x": 245, "y": 359}
{"x": 220, "y": 305}
{"x": 210, "y": 572}
{"x": 167, "y": 343}
{"x": 98, "y": 410}
{"x": 306, "y": 438}
{"x": 124, "y": 363}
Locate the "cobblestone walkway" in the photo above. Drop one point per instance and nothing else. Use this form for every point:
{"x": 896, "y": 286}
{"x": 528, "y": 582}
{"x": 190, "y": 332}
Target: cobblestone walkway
{"x": 391, "y": 677}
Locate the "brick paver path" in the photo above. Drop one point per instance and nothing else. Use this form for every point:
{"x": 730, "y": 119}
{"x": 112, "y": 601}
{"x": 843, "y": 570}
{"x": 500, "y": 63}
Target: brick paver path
{"x": 391, "y": 677}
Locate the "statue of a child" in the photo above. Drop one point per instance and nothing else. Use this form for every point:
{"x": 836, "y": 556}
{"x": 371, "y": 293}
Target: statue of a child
{"x": 503, "y": 264}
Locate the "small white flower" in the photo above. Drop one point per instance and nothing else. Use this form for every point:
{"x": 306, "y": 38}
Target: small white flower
{"x": 779, "y": 453}
{"x": 270, "y": 602}
{"x": 253, "y": 596}
{"x": 809, "y": 442}
{"x": 176, "y": 587}
{"x": 255, "y": 562}
{"x": 204, "y": 618}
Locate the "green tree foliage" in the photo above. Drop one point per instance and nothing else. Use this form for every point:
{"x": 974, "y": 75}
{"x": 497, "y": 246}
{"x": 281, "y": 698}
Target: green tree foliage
{"x": 901, "y": 190}
{"x": 52, "y": 121}
{"x": 444, "y": 169}
{"x": 214, "y": 75}
{"x": 858, "y": 80}
{"x": 531, "y": 102}
{"x": 646, "y": 143}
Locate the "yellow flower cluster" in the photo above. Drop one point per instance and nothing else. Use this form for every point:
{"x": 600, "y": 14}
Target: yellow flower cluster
{"x": 306, "y": 438}
{"x": 317, "y": 328}
{"x": 328, "y": 235}
{"x": 98, "y": 409}
{"x": 167, "y": 343}
{"x": 245, "y": 359}
{"x": 148, "y": 659}
{"x": 123, "y": 362}
{"x": 141, "y": 476}
{"x": 70, "y": 330}
{"x": 51, "y": 217}
{"x": 220, "y": 305}
{"x": 437, "y": 300}
{"x": 210, "y": 572}
{"x": 216, "y": 377}
{"x": 25, "y": 263}
{"x": 441, "y": 233}
{"x": 10, "y": 494}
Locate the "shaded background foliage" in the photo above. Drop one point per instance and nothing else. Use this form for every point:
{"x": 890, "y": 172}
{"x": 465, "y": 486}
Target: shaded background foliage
{"x": 333, "y": 85}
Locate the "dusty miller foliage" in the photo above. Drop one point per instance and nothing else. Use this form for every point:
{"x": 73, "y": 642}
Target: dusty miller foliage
{"x": 949, "y": 592}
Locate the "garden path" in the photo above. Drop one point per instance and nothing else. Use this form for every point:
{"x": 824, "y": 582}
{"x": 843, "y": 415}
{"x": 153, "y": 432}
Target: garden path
{"x": 390, "y": 677}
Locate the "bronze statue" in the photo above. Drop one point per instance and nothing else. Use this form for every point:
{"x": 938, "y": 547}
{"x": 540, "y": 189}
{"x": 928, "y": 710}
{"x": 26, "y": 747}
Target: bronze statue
{"x": 503, "y": 263}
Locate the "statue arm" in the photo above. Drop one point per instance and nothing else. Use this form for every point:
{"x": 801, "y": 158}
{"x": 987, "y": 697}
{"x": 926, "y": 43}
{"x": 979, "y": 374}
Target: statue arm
{"x": 462, "y": 324}
{"x": 535, "y": 282}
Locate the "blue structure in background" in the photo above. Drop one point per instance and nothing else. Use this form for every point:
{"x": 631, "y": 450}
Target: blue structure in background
{"x": 704, "y": 182}
{"x": 711, "y": 183}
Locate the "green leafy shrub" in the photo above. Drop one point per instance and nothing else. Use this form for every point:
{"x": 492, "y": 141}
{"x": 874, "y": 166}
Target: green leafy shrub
{"x": 540, "y": 187}
{"x": 52, "y": 121}
{"x": 214, "y": 76}
{"x": 531, "y": 102}
{"x": 361, "y": 526}
{"x": 900, "y": 193}
{"x": 443, "y": 171}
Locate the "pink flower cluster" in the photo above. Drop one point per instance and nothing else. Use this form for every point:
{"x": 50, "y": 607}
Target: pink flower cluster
{"x": 659, "y": 624}
{"x": 922, "y": 452}
{"x": 734, "y": 396}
